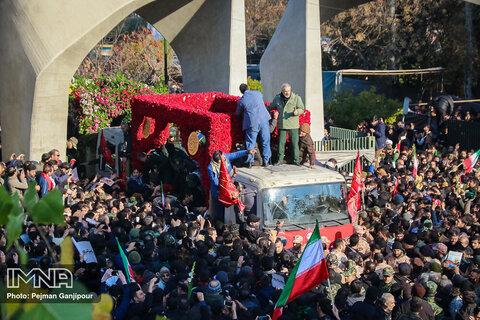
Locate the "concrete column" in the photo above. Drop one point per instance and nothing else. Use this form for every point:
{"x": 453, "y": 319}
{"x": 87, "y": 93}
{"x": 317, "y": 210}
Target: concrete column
{"x": 294, "y": 56}
{"x": 44, "y": 42}
{"x": 212, "y": 49}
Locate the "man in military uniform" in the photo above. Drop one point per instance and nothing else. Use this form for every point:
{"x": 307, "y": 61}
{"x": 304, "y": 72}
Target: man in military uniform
{"x": 388, "y": 281}
{"x": 431, "y": 289}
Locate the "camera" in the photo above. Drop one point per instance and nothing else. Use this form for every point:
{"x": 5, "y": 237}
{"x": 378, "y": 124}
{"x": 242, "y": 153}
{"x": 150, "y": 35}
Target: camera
{"x": 114, "y": 272}
{"x": 228, "y": 303}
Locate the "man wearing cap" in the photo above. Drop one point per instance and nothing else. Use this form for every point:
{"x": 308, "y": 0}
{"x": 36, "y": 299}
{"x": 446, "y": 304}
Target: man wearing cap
{"x": 307, "y": 153}
{"x": 397, "y": 256}
{"x": 297, "y": 248}
{"x": 255, "y": 122}
{"x": 431, "y": 290}
{"x": 289, "y": 106}
{"x": 250, "y": 229}
{"x": 402, "y": 278}
{"x": 388, "y": 280}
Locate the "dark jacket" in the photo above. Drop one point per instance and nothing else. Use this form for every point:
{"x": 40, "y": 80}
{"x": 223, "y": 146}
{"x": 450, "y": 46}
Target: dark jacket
{"x": 307, "y": 152}
{"x": 380, "y": 137}
{"x": 404, "y": 308}
{"x": 366, "y": 311}
{"x": 251, "y": 233}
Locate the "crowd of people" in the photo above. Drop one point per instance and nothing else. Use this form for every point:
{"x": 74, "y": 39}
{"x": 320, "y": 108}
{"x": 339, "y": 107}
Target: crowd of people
{"x": 393, "y": 266}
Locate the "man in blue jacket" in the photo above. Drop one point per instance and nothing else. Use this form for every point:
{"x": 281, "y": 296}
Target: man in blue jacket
{"x": 378, "y": 131}
{"x": 214, "y": 173}
{"x": 255, "y": 121}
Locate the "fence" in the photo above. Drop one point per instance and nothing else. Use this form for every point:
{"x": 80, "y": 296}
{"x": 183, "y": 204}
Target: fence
{"x": 341, "y": 133}
{"x": 349, "y": 140}
{"x": 467, "y": 133}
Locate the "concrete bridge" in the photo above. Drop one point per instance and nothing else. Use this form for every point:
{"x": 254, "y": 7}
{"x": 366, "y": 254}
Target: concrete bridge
{"x": 44, "y": 41}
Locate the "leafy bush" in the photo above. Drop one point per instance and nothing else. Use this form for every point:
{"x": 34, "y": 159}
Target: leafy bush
{"x": 96, "y": 101}
{"x": 348, "y": 110}
{"x": 254, "y": 84}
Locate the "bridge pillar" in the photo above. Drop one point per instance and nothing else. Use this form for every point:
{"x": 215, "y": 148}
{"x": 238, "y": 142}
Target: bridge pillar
{"x": 44, "y": 42}
{"x": 294, "y": 56}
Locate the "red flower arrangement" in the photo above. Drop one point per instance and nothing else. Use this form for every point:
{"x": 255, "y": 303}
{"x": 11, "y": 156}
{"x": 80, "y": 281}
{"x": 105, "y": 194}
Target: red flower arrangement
{"x": 212, "y": 113}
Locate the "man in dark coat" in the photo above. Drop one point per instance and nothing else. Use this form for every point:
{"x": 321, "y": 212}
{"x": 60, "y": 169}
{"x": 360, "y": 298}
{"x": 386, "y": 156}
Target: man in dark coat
{"x": 378, "y": 131}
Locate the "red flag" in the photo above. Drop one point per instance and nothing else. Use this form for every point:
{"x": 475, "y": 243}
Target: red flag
{"x": 105, "y": 151}
{"x": 227, "y": 193}
{"x": 354, "y": 194}
{"x": 395, "y": 189}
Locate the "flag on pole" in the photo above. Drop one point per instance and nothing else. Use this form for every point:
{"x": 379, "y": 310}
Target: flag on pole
{"x": 470, "y": 162}
{"x": 415, "y": 162}
{"x": 395, "y": 189}
{"x": 354, "y": 200}
{"x": 163, "y": 195}
{"x": 126, "y": 264}
{"x": 227, "y": 192}
{"x": 190, "y": 281}
{"x": 396, "y": 152}
{"x": 309, "y": 272}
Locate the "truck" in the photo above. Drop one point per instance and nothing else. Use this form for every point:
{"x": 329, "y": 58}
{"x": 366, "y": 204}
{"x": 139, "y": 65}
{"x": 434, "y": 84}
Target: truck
{"x": 298, "y": 196}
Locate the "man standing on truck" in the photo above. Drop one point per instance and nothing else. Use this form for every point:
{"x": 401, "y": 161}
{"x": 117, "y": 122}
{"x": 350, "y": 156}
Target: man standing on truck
{"x": 255, "y": 121}
{"x": 289, "y": 106}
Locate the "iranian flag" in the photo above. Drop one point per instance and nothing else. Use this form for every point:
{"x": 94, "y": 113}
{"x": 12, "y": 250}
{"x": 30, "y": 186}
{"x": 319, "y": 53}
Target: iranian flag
{"x": 126, "y": 264}
{"x": 470, "y": 162}
{"x": 415, "y": 162}
{"x": 395, "y": 189}
{"x": 309, "y": 272}
{"x": 396, "y": 152}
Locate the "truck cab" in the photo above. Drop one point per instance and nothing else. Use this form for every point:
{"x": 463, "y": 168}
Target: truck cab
{"x": 298, "y": 196}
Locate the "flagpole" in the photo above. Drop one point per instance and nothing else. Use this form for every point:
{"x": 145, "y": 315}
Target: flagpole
{"x": 330, "y": 291}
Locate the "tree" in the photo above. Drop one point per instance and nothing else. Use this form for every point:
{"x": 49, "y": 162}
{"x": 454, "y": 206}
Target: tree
{"x": 427, "y": 34}
{"x": 261, "y": 19}
{"x": 135, "y": 53}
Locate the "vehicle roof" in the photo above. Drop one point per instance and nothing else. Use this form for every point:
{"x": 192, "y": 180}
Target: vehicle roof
{"x": 286, "y": 175}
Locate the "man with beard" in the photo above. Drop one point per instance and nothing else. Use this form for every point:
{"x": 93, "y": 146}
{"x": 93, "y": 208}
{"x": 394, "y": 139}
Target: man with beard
{"x": 289, "y": 106}
{"x": 397, "y": 256}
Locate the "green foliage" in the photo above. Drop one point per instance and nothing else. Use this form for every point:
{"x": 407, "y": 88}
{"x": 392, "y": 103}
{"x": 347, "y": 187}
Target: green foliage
{"x": 96, "y": 101}
{"x": 254, "y": 84}
{"x": 47, "y": 210}
{"x": 349, "y": 110}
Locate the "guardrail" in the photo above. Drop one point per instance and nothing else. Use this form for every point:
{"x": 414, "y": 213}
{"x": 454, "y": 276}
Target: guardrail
{"x": 341, "y": 133}
{"x": 360, "y": 143}
{"x": 349, "y": 140}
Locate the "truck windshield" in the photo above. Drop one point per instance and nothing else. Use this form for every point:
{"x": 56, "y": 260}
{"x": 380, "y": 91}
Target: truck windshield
{"x": 300, "y": 205}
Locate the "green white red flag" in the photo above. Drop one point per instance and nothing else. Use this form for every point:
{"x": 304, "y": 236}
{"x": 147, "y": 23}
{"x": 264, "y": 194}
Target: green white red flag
{"x": 354, "y": 200}
{"x": 470, "y": 162}
{"x": 126, "y": 264}
{"x": 309, "y": 272}
{"x": 415, "y": 162}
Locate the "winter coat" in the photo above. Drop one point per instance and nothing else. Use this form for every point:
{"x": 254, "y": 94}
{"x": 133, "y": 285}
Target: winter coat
{"x": 286, "y": 119}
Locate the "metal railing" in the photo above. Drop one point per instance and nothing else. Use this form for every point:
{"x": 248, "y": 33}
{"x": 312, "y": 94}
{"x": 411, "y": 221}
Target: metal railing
{"x": 346, "y": 140}
{"x": 341, "y": 133}
{"x": 360, "y": 143}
